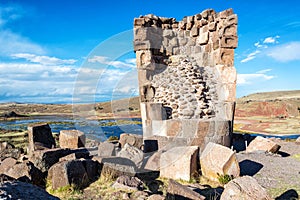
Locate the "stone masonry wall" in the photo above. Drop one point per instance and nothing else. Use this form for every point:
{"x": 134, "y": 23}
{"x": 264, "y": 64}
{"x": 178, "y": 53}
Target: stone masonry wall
{"x": 187, "y": 76}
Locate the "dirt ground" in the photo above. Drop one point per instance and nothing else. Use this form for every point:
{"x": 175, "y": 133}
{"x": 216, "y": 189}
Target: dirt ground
{"x": 278, "y": 173}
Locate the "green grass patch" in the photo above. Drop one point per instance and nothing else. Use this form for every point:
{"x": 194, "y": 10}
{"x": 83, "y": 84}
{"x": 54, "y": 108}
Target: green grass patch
{"x": 296, "y": 156}
{"x": 120, "y": 122}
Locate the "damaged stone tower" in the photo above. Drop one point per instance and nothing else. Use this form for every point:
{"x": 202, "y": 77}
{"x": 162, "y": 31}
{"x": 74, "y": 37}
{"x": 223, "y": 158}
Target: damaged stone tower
{"x": 187, "y": 79}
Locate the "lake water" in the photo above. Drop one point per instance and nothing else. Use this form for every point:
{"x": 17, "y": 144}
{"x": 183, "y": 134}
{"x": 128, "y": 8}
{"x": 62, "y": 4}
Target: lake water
{"x": 94, "y": 129}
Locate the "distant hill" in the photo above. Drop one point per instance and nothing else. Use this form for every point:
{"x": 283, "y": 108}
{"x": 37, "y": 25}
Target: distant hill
{"x": 269, "y": 104}
{"x": 271, "y": 96}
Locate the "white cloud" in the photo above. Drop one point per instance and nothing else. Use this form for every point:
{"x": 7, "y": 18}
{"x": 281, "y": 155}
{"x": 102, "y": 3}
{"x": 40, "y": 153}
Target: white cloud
{"x": 44, "y": 60}
{"x": 250, "y": 56}
{"x": 27, "y": 82}
{"x": 9, "y": 13}
{"x": 12, "y": 43}
{"x": 261, "y": 47}
{"x": 263, "y": 71}
{"x": 271, "y": 40}
{"x": 258, "y": 45}
{"x": 248, "y": 79}
{"x": 118, "y": 64}
{"x": 285, "y": 52}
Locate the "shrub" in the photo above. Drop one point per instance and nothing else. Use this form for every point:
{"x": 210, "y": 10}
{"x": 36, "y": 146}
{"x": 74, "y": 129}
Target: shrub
{"x": 224, "y": 179}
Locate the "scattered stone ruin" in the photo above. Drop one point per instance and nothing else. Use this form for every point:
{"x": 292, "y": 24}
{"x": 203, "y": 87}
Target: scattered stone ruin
{"x": 187, "y": 79}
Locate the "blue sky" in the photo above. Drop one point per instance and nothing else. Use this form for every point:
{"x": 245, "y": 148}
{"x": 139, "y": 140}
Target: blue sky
{"x": 50, "y": 50}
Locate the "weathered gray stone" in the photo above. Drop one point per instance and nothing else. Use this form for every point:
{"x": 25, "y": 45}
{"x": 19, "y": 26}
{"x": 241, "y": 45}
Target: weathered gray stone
{"x": 128, "y": 183}
{"x": 6, "y": 164}
{"x": 246, "y": 188}
{"x": 132, "y": 139}
{"x": 262, "y": 144}
{"x": 178, "y": 191}
{"x": 9, "y": 151}
{"x": 71, "y": 139}
{"x": 156, "y": 197}
{"x": 217, "y": 160}
{"x": 139, "y": 195}
{"x": 184, "y": 82}
{"x": 78, "y": 173}
{"x": 26, "y": 172}
{"x": 298, "y": 140}
{"x": 106, "y": 149}
{"x": 116, "y": 166}
{"x": 179, "y": 162}
{"x": 44, "y": 159}
{"x": 12, "y": 189}
{"x": 39, "y": 137}
{"x": 132, "y": 153}
{"x": 153, "y": 162}
{"x": 74, "y": 156}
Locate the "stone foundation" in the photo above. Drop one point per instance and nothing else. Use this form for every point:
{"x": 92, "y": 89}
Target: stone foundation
{"x": 187, "y": 80}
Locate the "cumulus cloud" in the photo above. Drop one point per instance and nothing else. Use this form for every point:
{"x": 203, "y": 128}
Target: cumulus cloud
{"x": 45, "y": 60}
{"x": 248, "y": 79}
{"x": 28, "y": 82}
{"x": 285, "y": 52}
{"x": 129, "y": 63}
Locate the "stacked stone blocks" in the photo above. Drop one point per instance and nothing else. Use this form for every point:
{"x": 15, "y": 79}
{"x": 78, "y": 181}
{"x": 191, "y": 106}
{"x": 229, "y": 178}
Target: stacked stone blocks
{"x": 187, "y": 79}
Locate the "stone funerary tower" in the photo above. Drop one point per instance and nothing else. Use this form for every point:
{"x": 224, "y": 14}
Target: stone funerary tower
{"x": 187, "y": 79}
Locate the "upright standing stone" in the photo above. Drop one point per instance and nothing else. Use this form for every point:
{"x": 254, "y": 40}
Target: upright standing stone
{"x": 106, "y": 149}
{"x": 71, "y": 139}
{"x": 217, "y": 160}
{"x": 179, "y": 163}
{"x": 40, "y": 135}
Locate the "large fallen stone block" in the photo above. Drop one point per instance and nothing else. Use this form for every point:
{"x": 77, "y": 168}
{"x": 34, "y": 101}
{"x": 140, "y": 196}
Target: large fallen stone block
{"x": 26, "y": 172}
{"x": 74, "y": 173}
{"x": 246, "y": 188}
{"x": 217, "y": 160}
{"x": 132, "y": 153}
{"x": 153, "y": 162}
{"x": 76, "y": 155}
{"x": 71, "y": 139}
{"x": 44, "y": 159}
{"x": 132, "y": 139}
{"x": 40, "y": 137}
{"x": 116, "y": 166}
{"x": 262, "y": 144}
{"x": 178, "y": 191}
{"x": 179, "y": 162}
